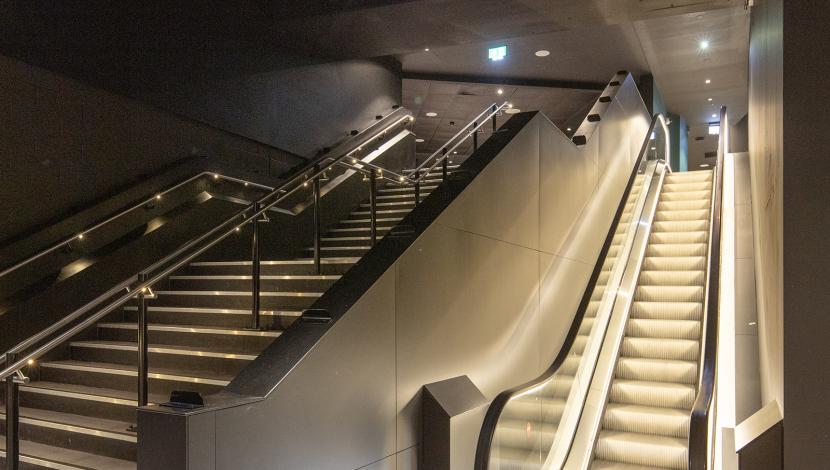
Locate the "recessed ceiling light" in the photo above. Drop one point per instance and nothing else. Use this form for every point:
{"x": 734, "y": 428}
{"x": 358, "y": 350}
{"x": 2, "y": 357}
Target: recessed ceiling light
{"x": 455, "y": 152}
{"x": 426, "y": 50}
{"x": 509, "y": 105}
{"x": 704, "y": 165}
{"x": 714, "y": 115}
{"x": 500, "y": 91}
{"x": 513, "y": 111}
{"x": 704, "y": 45}
{"x": 568, "y": 129}
{"x": 419, "y": 140}
{"x": 431, "y": 114}
{"x": 708, "y": 81}
{"x": 542, "y": 53}
{"x": 708, "y": 99}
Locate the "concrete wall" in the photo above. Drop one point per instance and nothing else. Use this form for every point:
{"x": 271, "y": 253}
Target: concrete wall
{"x": 766, "y": 169}
{"x": 66, "y": 145}
{"x": 488, "y": 290}
{"x": 806, "y": 221}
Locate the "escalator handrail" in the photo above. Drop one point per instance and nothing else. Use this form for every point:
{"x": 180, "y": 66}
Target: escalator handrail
{"x": 491, "y": 419}
{"x": 700, "y": 414}
{"x": 141, "y": 282}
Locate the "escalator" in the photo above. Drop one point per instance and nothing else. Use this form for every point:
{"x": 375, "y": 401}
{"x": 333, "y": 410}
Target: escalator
{"x": 632, "y": 387}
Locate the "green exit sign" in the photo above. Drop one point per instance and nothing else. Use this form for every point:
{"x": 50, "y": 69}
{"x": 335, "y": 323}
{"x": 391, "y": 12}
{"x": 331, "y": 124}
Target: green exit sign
{"x": 496, "y": 54}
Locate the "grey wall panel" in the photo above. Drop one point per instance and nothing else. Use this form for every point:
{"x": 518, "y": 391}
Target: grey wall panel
{"x": 466, "y": 297}
{"x": 408, "y": 459}
{"x": 567, "y": 177}
{"x": 511, "y": 212}
{"x": 337, "y": 408}
{"x": 559, "y": 295}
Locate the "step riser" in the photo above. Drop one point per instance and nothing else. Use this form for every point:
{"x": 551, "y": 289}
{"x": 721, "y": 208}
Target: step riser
{"x": 277, "y": 285}
{"x": 254, "y": 344}
{"x": 212, "y": 319}
{"x": 233, "y": 301}
{"x": 76, "y": 441}
{"x": 163, "y": 361}
{"x": 342, "y": 252}
{"x": 265, "y": 269}
{"x": 123, "y": 382}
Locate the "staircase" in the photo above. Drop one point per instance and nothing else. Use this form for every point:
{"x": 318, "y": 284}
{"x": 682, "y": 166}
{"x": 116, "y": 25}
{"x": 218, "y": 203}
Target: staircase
{"x": 528, "y": 424}
{"x": 646, "y": 421}
{"x": 78, "y": 410}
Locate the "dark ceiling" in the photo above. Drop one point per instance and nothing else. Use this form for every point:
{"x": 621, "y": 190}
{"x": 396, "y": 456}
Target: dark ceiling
{"x": 134, "y": 47}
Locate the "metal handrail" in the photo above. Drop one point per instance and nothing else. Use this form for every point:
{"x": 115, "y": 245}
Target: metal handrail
{"x": 700, "y": 414}
{"x": 443, "y": 153}
{"x": 234, "y": 221}
{"x": 494, "y": 412}
{"x": 155, "y": 197}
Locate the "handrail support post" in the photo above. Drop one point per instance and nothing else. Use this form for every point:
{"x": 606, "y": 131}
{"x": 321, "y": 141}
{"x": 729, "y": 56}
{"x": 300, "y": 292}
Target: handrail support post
{"x": 12, "y": 419}
{"x": 494, "y": 119}
{"x": 373, "y": 217}
{"x": 316, "y": 188}
{"x": 255, "y": 271}
{"x": 475, "y": 136}
{"x": 143, "y": 356}
{"x": 417, "y": 192}
{"x": 444, "y": 164}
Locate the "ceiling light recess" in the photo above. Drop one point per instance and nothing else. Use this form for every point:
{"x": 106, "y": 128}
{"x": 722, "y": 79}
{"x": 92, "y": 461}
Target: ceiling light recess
{"x": 542, "y": 53}
{"x": 704, "y": 45}
{"x": 431, "y": 114}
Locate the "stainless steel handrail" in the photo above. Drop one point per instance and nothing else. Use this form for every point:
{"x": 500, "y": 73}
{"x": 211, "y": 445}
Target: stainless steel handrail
{"x": 417, "y": 175}
{"x": 263, "y": 206}
{"x": 80, "y": 235}
{"x": 701, "y": 410}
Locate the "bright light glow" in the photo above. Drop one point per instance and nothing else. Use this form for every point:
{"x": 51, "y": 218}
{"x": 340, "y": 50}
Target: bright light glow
{"x": 704, "y": 45}
{"x": 708, "y": 81}
{"x": 568, "y": 129}
{"x": 496, "y": 54}
{"x": 158, "y": 197}
{"x": 400, "y": 178}
{"x": 509, "y": 105}
{"x": 500, "y": 91}
{"x": 654, "y": 148}
{"x": 426, "y": 49}
{"x": 714, "y": 115}
{"x": 246, "y": 183}
{"x": 513, "y": 111}
{"x": 237, "y": 229}
{"x": 542, "y": 53}
{"x": 704, "y": 165}
{"x": 419, "y": 140}
{"x": 30, "y": 362}
{"x": 431, "y": 114}
{"x": 455, "y": 152}
{"x": 215, "y": 176}
{"x": 714, "y": 128}
{"x": 708, "y": 99}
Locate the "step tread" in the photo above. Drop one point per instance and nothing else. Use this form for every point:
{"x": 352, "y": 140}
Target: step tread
{"x": 102, "y": 427}
{"x": 60, "y": 458}
{"x": 199, "y": 351}
{"x": 123, "y": 369}
{"x": 216, "y": 330}
{"x": 85, "y": 392}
